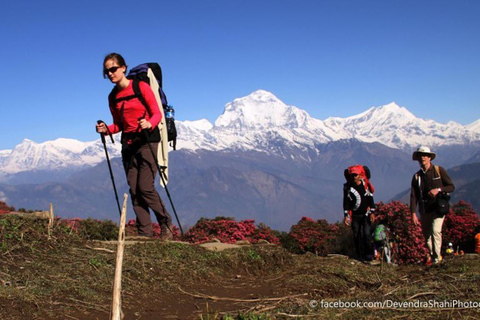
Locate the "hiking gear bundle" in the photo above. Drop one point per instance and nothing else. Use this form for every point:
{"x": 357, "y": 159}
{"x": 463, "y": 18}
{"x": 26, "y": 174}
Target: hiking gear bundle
{"x": 109, "y": 165}
{"x": 380, "y": 233}
{"x": 383, "y": 245}
{"x": 140, "y": 73}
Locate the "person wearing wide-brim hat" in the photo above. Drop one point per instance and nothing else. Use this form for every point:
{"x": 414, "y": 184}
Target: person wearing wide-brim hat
{"x": 417, "y": 154}
{"x": 427, "y": 183}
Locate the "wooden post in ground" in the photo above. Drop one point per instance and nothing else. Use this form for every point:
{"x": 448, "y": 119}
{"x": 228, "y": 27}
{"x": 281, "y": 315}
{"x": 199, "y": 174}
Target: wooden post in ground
{"x": 117, "y": 285}
{"x": 50, "y": 221}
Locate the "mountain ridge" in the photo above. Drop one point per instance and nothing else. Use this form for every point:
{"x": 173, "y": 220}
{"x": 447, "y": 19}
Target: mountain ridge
{"x": 259, "y": 121}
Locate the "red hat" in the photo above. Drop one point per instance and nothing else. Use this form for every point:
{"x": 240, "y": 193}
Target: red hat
{"x": 355, "y": 170}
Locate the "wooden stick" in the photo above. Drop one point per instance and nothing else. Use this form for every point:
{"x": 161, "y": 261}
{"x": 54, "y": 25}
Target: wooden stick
{"x": 421, "y": 294}
{"x": 100, "y": 249}
{"x": 204, "y": 296}
{"x": 50, "y": 221}
{"x": 117, "y": 286}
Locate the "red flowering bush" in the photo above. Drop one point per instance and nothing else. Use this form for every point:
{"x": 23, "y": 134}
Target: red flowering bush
{"x": 228, "y": 230}
{"x": 73, "y": 223}
{"x": 459, "y": 227}
{"x": 309, "y": 235}
{"x": 4, "y": 208}
{"x": 407, "y": 237}
{"x": 263, "y": 232}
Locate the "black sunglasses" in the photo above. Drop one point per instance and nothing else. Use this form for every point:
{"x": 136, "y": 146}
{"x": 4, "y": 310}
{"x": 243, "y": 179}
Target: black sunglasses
{"x": 112, "y": 70}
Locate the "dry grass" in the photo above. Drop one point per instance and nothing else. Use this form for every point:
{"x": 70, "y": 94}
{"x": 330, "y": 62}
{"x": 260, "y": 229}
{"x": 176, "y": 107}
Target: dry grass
{"x": 68, "y": 277}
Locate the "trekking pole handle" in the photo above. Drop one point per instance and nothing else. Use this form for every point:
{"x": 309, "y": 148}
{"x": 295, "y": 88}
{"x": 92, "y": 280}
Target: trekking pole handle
{"x": 108, "y": 132}
{"x": 101, "y": 134}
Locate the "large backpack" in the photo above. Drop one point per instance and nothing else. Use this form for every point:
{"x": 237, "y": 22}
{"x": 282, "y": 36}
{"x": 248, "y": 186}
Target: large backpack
{"x": 363, "y": 171}
{"x": 140, "y": 73}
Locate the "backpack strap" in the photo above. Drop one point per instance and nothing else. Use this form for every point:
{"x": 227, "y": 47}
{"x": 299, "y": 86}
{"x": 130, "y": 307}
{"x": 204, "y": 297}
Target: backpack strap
{"x": 138, "y": 93}
{"x": 112, "y": 97}
{"x": 437, "y": 170}
{"x": 112, "y": 100}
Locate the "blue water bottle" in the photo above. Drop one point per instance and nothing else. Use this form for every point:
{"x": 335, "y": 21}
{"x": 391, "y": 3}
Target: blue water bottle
{"x": 170, "y": 112}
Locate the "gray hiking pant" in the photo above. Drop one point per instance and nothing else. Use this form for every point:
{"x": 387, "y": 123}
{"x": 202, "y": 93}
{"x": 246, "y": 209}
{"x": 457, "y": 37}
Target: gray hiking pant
{"x": 141, "y": 179}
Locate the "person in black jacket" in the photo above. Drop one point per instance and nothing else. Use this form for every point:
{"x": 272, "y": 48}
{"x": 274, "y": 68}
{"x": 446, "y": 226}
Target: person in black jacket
{"x": 427, "y": 183}
{"x": 358, "y": 206}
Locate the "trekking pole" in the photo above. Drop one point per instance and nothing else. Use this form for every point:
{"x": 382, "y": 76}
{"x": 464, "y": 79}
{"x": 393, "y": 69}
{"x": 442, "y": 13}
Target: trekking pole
{"x": 109, "y": 165}
{"x": 161, "y": 172}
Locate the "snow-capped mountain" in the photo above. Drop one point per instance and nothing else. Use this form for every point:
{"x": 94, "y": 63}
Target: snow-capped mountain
{"x": 475, "y": 126}
{"x": 260, "y": 122}
{"x": 396, "y": 127}
{"x": 250, "y": 122}
{"x": 54, "y": 155}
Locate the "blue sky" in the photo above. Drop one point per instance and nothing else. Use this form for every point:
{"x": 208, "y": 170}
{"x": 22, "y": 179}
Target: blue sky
{"x": 330, "y": 58}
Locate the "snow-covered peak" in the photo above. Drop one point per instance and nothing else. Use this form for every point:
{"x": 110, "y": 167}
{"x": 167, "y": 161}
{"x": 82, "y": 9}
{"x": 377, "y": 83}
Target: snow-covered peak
{"x": 260, "y": 109}
{"x": 59, "y": 153}
{"x": 202, "y": 124}
{"x": 4, "y": 153}
{"x": 387, "y": 114}
{"x": 69, "y": 144}
{"x": 474, "y": 126}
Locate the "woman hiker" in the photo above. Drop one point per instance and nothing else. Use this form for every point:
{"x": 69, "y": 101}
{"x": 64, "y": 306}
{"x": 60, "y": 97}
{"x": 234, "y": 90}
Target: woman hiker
{"x": 131, "y": 117}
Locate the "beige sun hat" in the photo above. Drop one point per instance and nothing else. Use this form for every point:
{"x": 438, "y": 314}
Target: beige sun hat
{"x": 423, "y": 150}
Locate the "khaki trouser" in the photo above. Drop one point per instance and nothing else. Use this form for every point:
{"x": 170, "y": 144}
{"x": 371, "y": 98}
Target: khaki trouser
{"x": 141, "y": 179}
{"x": 432, "y": 231}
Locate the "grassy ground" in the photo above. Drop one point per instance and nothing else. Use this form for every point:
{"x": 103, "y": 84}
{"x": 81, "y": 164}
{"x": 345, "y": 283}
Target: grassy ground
{"x": 68, "y": 277}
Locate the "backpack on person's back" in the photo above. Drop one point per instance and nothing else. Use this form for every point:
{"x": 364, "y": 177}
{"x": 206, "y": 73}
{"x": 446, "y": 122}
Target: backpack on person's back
{"x": 364, "y": 173}
{"x": 155, "y": 80}
{"x": 140, "y": 73}
{"x": 151, "y": 73}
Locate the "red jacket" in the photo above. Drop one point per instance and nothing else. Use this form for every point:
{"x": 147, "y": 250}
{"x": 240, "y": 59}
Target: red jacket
{"x": 127, "y": 113}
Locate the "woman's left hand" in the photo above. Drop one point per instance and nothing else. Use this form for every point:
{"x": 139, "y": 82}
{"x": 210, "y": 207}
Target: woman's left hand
{"x": 144, "y": 124}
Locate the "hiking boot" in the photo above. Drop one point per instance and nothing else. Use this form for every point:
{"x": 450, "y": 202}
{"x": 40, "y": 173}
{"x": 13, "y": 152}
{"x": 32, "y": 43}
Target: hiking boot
{"x": 438, "y": 260}
{"x": 428, "y": 261}
{"x": 374, "y": 262}
{"x": 166, "y": 232}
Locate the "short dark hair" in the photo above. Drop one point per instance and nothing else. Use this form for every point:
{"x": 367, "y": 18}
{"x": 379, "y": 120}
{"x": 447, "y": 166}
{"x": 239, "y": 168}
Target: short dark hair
{"x": 113, "y": 56}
